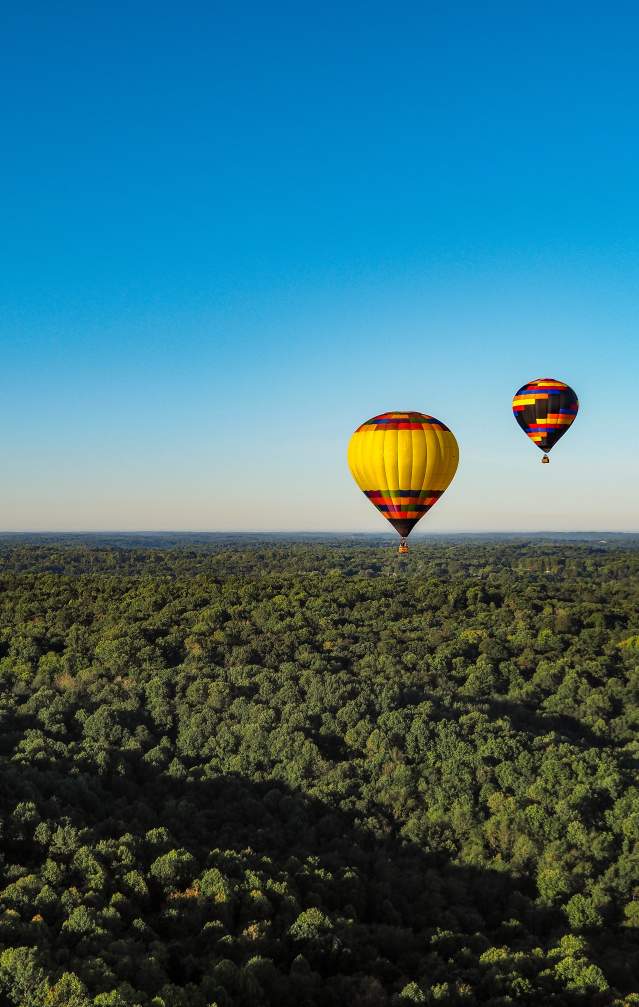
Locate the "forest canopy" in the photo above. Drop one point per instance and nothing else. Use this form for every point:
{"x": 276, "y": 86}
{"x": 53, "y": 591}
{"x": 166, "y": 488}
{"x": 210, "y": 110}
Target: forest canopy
{"x": 270, "y": 771}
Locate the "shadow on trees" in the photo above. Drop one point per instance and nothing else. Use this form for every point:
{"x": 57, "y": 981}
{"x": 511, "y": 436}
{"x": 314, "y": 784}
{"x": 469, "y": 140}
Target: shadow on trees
{"x": 320, "y": 907}
{"x": 525, "y": 717}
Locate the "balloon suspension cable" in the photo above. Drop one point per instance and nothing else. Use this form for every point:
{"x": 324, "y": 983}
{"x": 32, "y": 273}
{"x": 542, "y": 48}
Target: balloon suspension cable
{"x": 403, "y": 547}
{"x": 545, "y": 460}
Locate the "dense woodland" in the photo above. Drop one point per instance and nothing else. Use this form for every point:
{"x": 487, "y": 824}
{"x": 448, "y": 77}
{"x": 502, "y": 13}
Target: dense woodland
{"x": 271, "y": 772}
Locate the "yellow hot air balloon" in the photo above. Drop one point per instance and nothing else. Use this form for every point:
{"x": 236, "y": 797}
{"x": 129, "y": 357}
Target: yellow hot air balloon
{"x": 403, "y": 462}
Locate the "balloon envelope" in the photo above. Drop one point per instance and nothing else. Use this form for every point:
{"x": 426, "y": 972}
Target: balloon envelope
{"x": 403, "y": 462}
{"x": 544, "y": 409}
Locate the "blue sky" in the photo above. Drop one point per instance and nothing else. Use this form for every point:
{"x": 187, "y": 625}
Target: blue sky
{"x": 232, "y": 232}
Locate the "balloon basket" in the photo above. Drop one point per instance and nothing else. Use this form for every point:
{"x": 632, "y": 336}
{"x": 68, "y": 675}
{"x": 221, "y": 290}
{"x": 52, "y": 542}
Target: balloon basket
{"x": 403, "y": 547}
{"x": 545, "y": 460}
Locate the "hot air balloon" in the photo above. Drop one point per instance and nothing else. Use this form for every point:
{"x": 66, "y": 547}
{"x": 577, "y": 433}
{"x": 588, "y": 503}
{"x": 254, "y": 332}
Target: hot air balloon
{"x": 544, "y": 409}
{"x": 403, "y": 462}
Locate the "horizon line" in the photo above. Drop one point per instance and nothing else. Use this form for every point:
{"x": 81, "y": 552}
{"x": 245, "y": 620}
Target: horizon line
{"x": 298, "y": 531}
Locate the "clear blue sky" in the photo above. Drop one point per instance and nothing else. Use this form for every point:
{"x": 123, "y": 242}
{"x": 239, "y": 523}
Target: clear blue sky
{"x": 232, "y": 232}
